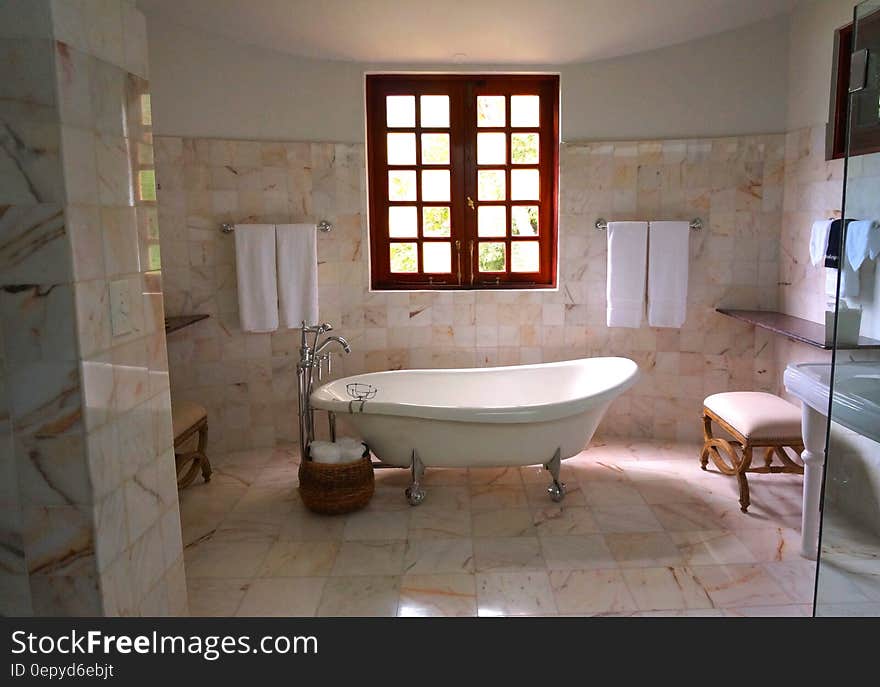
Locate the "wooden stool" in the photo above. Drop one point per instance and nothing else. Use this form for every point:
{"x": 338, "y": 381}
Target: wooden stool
{"x": 187, "y": 419}
{"x": 754, "y": 420}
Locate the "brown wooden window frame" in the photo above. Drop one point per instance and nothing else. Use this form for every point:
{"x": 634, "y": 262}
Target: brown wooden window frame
{"x": 463, "y": 90}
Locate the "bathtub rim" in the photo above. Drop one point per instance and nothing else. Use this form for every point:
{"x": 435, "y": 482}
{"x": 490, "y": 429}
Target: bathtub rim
{"x": 321, "y": 399}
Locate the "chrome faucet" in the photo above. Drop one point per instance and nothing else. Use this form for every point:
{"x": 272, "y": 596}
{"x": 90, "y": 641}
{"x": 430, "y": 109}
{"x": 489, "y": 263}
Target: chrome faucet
{"x": 311, "y": 356}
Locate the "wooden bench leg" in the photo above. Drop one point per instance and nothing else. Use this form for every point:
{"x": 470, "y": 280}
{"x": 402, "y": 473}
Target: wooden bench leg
{"x": 730, "y": 457}
{"x": 203, "y": 457}
{"x": 744, "y": 465}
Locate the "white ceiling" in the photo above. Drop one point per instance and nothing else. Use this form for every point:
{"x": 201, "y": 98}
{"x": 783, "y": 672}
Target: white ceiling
{"x": 472, "y": 31}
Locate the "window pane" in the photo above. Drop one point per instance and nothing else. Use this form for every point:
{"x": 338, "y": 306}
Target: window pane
{"x": 437, "y": 257}
{"x": 491, "y": 149}
{"x": 403, "y": 222}
{"x": 436, "y": 222}
{"x": 524, "y": 219}
{"x": 490, "y": 184}
{"x": 490, "y": 110}
{"x": 525, "y": 184}
{"x": 401, "y": 149}
{"x": 435, "y": 184}
{"x": 524, "y": 110}
{"x": 435, "y": 110}
{"x": 524, "y": 256}
{"x": 492, "y": 257}
{"x": 401, "y": 110}
{"x": 435, "y": 149}
{"x": 524, "y": 149}
{"x": 403, "y": 257}
{"x": 402, "y": 184}
{"x": 492, "y": 220}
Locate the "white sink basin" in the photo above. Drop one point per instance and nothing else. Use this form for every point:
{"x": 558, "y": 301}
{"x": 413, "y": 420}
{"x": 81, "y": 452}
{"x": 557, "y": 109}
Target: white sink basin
{"x": 856, "y": 402}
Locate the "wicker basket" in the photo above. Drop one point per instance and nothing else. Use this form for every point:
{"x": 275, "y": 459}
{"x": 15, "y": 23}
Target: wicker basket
{"x": 334, "y": 488}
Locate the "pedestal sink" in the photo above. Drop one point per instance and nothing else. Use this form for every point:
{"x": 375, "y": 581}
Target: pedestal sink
{"x": 856, "y": 406}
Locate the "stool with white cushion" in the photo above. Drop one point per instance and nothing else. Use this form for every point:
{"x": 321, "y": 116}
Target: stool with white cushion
{"x": 753, "y": 419}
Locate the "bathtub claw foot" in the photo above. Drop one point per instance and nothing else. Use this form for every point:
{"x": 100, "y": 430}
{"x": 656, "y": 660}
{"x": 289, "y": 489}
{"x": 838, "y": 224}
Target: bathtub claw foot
{"x": 557, "y": 489}
{"x": 414, "y": 492}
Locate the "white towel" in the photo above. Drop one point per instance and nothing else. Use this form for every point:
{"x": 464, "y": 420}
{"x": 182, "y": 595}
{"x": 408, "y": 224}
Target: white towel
{"x": 850, "y": 286}
{"x": 627, "y": 259}
{"x": 819, "y": 241}
{"x": 297, "y": 274}
{"x": 862, "y": 242}
{"x": 324, "y": 452}
{"x": 668, "y": 253}
{"x": 255, "y": 268}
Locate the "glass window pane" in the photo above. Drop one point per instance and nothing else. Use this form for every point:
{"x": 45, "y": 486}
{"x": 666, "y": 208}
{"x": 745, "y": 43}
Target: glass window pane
{"x": 524, "y": 256}
{"x": 490, "y": 110}
{"x": 492, "y": 220}
{"x": 525, "y": 184}
{"x": 525, "y": 110}
{"x": 435, "y": 110}
{"x": 437, "y": 257}
{"x": 403, "y": 221}
{"x": 524, "y": 149}
{"x": 404, "y": 257}
{"x": 436, "y": 222}
{"x": 490, "y": 184}
{"x": 400, "y": 110}
{"x": 524, "y": 220}
{"x": 402, "y": 184}
{"x": 435, "y": 184}
{"x": 435, "y": 149}
{"x": 492, "y": 257}
{"x": 401, "y": 149}
{"x": 491, "y": 149}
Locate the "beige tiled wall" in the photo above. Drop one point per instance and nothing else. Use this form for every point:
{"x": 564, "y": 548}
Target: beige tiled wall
{"x": 89, "y": 487}
{"x": 248, "y": 380}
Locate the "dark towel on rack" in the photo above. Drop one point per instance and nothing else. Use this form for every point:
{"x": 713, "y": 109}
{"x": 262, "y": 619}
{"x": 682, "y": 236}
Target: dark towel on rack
{"x": 835, "y": 243}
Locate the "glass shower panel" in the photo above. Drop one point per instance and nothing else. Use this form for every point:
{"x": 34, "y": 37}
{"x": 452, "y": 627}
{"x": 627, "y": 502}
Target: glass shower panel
{"x": 848, "y": 579}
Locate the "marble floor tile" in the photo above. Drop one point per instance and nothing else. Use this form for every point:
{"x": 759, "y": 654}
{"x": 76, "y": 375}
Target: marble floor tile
{"x": 446, "y": 497}
{"x": 687, "y": 516}
{"x": 626, "y": 519}
{"x": 740, "y": 585}
{"x": 657, "y": 491}
{"x": 667, "y": 588}
{"x": 507, "y": 554}
{"x": 369, "y": 558}
{"x": 438, "y": 595}
{"x": 591, "y": 592}
{"x": 494, "y": 476}
{"x": 794, "y": 611}
{"x": 772, "y": 543}
{"x": 600, "y": 495}
{"x": 797, "y": 578}
{"x": 282, "y": 597}
{"x": 514, "y": 593}
{"x": 426, "y": 556}
{"x": 362, "y": 596}
{"x": 439, "y": 524}
{"x": 506, "y": 522}
{"x": 498, "y": 496}
{"x": 215, "y": 597}
{"x": 711, "y": 547}
{"x": 374, "y": 525}
{"x": 233, "y": 559}
{"x": 307, "y": 526}
{"x": 299, "y": 559}
{"x": 451, "y": 477}
{"x": 643, "y": 549}
{"x": 563, "y": 519}
{"x": 577, "y": 552}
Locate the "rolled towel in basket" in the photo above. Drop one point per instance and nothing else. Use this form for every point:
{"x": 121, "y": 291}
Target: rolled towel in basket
{"x": 350, "y": 449}
{"x": 325, "y": 452}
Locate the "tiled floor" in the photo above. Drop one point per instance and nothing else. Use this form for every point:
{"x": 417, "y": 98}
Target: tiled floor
{"x": 642, "y": 531}
{"x": 849, "y": 574}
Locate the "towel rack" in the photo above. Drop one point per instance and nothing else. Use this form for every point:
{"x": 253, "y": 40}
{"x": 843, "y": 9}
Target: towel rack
{"x": 323, "y": 226}
{"x": 602, "y": 224}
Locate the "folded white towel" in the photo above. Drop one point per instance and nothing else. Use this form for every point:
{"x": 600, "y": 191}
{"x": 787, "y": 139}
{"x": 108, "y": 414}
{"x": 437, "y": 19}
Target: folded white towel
{"x": 350, "y": 449}
{"x": 325, "y": 452}
{"x": 627, "y": 256}
{"x": 297, "y": 247}
{"x": 850, "y": 286}
{"x": 668, "y": 253}
{"x": 862, "y": 242}
{"x": 819, "y": 241}
{"x": 255, "y": 272}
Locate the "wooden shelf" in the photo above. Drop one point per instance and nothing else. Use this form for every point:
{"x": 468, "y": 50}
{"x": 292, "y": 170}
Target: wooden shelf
{"x": 795, "y": 328}
{"x": 175, "y": 322}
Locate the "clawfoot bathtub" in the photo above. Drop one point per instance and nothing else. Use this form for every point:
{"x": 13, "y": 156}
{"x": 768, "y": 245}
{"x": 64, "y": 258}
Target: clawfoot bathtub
{"x": 482, "y": 417}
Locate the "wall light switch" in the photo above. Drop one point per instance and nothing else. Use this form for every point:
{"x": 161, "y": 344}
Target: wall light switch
{"x": 120, "y": 307}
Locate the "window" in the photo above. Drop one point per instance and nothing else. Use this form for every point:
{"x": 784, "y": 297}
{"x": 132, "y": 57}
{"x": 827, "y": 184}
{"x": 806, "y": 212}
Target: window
{"x": 463, "y": 179}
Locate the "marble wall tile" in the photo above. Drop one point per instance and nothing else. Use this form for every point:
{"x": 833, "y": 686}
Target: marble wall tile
{"x": 734, "y": 184}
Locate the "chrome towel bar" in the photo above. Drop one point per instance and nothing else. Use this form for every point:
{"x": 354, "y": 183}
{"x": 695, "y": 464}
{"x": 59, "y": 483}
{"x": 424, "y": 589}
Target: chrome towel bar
{"x": 602, "y": 224}
{"x": 323, "y": 226}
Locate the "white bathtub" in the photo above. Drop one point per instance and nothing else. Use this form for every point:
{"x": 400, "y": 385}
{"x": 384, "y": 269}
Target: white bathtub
{"x": 481, "y": 417}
